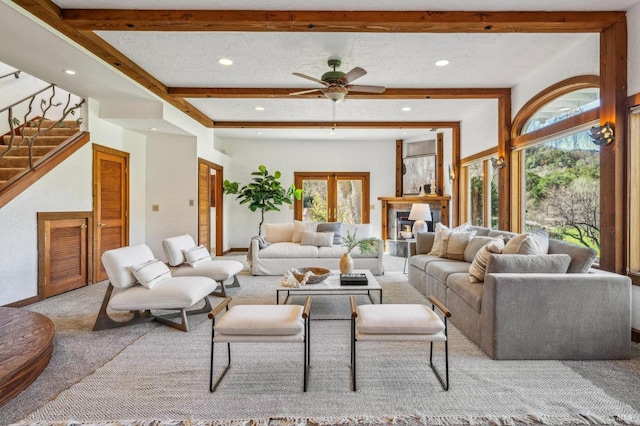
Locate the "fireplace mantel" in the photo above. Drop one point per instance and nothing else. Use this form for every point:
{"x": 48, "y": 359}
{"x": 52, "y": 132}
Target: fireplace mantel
{"x": 439, "y": 202}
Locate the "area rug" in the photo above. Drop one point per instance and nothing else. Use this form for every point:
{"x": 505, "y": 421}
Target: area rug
{"x": 162, "y": 379}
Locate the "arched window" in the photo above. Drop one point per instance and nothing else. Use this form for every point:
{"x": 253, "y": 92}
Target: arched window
{"x": 559, "y": 165}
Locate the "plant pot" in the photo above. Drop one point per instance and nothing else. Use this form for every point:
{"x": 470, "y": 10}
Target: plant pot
{"x": 346, "y": 264}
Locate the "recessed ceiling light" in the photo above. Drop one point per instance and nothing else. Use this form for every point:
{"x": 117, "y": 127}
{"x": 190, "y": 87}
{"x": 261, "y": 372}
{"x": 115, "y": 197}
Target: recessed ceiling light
{"x": 258, "y": 133}
{"x": 153, "y": 128}
{"x": 564, "y": 109}
{"x": 225, "y": 61}
{"x": 405, "y": 133}
{"x": 259, "y": 108}
{"x": 70, "y": 72}
{"x": 332, "y": 132}
{"x": 406, "y": 108}
{"x": 442, "y": 63}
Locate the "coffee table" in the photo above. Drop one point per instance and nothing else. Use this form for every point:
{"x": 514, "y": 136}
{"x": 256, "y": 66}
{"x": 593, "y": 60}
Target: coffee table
{"x": 332, "y": 286}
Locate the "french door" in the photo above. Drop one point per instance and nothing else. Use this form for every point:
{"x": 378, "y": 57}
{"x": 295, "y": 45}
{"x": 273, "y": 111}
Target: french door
{"x": 333, "y": 197}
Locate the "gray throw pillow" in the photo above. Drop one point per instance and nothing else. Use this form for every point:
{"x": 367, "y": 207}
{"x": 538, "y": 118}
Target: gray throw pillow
{"x": 528, "y": 263}
{"x": 334, "y": 227}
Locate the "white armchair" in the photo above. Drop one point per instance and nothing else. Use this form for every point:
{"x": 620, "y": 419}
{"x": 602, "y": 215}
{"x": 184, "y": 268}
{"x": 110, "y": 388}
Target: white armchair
{"x": 139, "y": 283}
{"x": 191, "y": 260}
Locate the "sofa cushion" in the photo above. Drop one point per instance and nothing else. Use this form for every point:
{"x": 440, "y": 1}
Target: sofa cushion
{"x": 454, "y": 244}
{"x": 474, "y": 246}
{"x": 536, "y": 242}
{"x": 299, "y": 227}
{"x": 469, "y": 292}
{"x": 479, "y": 264}
{"x": 528, "y": 264}
{"x": 278, "y": 232}
{"x": 335, "y": 251}
{"x": 360, "y": 230}
{"x": 506, "y": 234}
{"x": 288, "y": 250}
{"x": 271, "y": 320}
{"x": 174, "y": 248}
{"x": 441, "y": 231}
{"x": 421, "y": 261}
{"x": 480, "y": 231}
{"x": 441, "y": 270}
{"x": 581, "y": 257}
{"x": 318, "y": 239}
{"x": 424, "y": 242}
{"x": 335, "y": 227}
{"x": 398, "y": 319}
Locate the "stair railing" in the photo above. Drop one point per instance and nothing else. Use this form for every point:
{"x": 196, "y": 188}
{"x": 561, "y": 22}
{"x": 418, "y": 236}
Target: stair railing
{"x": 46, "y": 106}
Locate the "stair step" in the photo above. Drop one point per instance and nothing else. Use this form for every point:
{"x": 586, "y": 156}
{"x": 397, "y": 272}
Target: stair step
{"x": 48, "y": 123}
{"x": 9, "y": 172}
{"x": 56, "y": 131}
{"x": 23, "y": 151}
{"x": 40, "y": 140}
{"x": 17, "y": 161}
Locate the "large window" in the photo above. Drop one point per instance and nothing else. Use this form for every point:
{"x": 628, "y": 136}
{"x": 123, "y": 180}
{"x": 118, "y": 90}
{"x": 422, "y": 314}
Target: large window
{"x": 562, "y": 187}
{"x": 559, "y": 165}
{"x": 480, "y": 182}
{"x": 333, "y": 197}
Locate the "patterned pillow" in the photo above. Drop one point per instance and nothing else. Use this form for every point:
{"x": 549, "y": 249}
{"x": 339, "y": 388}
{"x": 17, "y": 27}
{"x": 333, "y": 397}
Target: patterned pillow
{"x": 454, "y": 244}
{"x": 196, "y": 255}
{"x": 479, "y": 264}
{"x": 151, "y": 272}
{"x": 441, "y": 230}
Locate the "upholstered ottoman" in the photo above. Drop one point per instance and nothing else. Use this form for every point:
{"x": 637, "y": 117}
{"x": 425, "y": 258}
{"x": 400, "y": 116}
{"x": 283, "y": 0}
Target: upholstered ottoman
{"x": 396, "y": 323}
{"x": 260, "y": 324}
{"x": 191, "y": 260}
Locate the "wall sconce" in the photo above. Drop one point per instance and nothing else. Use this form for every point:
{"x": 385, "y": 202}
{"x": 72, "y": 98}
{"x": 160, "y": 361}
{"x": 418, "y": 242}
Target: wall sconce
{"x": 498, "y": 163}
{"x": 602, "y": 135}
{"x": 452, "y": 174}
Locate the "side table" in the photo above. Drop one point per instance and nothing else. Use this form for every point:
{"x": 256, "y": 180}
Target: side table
{"x": 400, "y": 247}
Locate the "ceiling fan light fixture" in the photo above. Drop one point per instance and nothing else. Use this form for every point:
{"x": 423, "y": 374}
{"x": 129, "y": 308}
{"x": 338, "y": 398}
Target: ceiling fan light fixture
{"x": 335, "y": 93}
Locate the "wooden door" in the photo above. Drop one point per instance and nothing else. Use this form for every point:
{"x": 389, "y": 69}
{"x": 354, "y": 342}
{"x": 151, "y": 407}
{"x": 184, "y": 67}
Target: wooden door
{"x": 204, "y": 206}
{"x": 110, "y": 203}
{"x": 210, "y": 174}
{"x": 64, "y": 255}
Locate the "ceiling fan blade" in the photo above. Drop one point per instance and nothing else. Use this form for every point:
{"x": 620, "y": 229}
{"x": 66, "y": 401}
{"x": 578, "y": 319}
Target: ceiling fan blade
{"x": 305, "y": 92}
{"x": 311, "y": 78}
{"x": 355, "y": 73}
{"x": 368, "y": 89}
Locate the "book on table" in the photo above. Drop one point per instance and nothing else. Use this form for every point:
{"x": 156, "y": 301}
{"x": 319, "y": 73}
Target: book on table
{"x": 353, "y": 279}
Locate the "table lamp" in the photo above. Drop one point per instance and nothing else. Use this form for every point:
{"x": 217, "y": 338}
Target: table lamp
{"x": 420, "y": 213}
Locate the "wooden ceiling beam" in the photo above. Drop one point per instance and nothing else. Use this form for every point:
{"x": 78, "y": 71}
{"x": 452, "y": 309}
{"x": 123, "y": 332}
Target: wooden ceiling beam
{"x": 337, "y": 124}
{"x": 338, "y": 21}
{"x": 282, "y": 93}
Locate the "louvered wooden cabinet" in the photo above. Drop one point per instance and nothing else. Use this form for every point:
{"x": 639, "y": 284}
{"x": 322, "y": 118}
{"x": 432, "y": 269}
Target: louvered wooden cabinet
{"x": 64, "y": 251}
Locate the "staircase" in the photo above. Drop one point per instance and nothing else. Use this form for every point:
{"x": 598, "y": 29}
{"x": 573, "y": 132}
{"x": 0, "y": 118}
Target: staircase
{"x": 17, "y": 160}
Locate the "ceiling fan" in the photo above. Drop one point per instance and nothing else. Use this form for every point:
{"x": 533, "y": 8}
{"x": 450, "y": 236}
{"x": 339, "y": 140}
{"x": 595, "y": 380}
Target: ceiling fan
{"x": 338, "y": 84}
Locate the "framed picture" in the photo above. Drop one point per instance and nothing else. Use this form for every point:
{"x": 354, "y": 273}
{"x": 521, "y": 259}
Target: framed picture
{"x": 416, "y": 172}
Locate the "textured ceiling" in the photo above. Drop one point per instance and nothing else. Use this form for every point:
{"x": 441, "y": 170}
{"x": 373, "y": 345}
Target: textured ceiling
{"x": 267, "y": 60}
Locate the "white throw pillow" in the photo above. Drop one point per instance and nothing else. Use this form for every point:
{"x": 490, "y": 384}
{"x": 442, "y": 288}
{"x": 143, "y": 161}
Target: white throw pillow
{"x": 151, "y": 272}
{"x": 536, "y": 242}
{"x": 436, "y": 249}
{"x": 479, "y": 264}
{"x": 318, "y": 239}
{"x": 196, "y": 255}
{"x": 278, "y": 232}
{"x": 299, "y": 227}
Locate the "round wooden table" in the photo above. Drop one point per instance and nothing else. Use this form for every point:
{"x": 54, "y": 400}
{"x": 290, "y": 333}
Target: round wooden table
{"x": 26, "y": 345}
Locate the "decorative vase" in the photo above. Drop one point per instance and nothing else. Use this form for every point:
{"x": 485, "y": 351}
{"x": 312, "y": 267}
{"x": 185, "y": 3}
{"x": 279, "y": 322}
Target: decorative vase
{"x": 346, "y": 264}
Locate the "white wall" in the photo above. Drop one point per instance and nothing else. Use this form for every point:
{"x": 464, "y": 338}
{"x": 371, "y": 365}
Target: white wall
{"x": 68, "y": 187}
{"x": 289, "y": 157}
{"x": 479, "y": 130}
{"x": 172, "y": 181}
{"x": 581, "y": 59}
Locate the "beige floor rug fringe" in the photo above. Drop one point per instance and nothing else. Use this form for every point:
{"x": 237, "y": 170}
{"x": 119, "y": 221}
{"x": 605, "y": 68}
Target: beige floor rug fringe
{"x": 415, "y": 419}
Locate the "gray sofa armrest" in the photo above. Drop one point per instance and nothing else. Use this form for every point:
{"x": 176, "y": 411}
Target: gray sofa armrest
{"x": 556, "y": 316}
{"x": 424, "y": 242}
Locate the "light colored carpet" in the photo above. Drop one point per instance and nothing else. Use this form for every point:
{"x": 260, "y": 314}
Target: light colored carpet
{"x": 162, "y": 374}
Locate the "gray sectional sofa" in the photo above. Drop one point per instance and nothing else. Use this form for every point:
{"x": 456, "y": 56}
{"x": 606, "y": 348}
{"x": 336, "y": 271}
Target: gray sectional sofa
{"x": 524, "y": 311}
